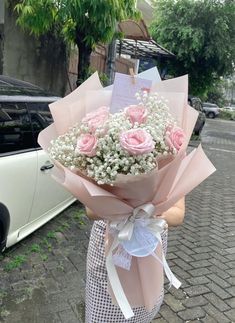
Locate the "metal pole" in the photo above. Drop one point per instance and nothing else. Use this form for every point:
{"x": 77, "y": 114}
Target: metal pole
{"x": 111, "y": 60}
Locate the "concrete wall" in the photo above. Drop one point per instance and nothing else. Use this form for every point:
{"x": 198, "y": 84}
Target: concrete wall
{"x": 2, "y": 11}
{"x": 40, "y": 61}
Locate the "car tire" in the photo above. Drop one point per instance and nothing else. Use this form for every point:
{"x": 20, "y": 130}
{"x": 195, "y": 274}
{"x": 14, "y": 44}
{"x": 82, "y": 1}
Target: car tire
{"x": 211, "y": 115}
{"x": 196, "y": 133}
{"x": 4, "y": 226}
{"x": 2, "y": 245}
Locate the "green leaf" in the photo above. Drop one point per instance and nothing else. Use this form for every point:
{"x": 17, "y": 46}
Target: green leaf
{"x": 202, "y": 36}
{"x": 84, "y": 23}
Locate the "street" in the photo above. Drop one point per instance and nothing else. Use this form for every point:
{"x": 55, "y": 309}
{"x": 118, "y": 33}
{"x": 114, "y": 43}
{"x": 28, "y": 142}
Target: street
{"x": 43, "y": 277}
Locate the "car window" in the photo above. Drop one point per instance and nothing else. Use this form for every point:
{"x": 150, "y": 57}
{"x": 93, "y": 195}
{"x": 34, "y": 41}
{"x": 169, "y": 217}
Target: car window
{"x": 15, "y": 128}
{"x": 210, "y": 105}
{"x": 40, "y": 117}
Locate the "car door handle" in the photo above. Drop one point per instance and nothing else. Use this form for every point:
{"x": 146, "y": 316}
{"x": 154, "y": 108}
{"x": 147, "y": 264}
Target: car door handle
{"x": 47, "y": 166}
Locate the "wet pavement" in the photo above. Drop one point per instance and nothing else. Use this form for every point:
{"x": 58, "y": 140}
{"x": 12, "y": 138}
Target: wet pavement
{"x": 42, "y": 279}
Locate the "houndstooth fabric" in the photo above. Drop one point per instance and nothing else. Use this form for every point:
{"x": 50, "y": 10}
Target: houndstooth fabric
{"x": 99, "y": 307}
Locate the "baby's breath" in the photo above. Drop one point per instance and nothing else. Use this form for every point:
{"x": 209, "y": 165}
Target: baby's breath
{"x": 111, "y": 159}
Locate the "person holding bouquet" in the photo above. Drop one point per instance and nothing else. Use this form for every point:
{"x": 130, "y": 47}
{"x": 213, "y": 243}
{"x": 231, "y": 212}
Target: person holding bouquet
{"x": 99, "y": 305}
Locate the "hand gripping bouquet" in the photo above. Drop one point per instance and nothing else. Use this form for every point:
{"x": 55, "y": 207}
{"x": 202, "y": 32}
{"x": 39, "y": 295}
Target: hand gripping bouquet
{"x": 128, "y": 167}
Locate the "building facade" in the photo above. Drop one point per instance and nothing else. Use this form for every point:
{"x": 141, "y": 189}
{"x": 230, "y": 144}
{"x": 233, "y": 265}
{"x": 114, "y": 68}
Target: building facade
{"x": 42, "y": 61}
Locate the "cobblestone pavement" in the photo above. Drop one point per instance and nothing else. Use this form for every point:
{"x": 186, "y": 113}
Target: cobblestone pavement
{"x": 42, "y": 279}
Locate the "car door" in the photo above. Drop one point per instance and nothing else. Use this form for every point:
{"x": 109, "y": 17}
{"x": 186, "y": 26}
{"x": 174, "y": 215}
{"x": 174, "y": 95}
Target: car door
{"x": 18, "y": 164}
{"x": 49, "y": 195}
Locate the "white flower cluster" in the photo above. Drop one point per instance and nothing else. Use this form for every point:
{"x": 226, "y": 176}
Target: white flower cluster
{"x": 110, "y": 158}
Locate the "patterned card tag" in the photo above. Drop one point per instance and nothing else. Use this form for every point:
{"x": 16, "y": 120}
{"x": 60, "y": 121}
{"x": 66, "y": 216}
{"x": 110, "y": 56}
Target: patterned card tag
{"x": 121, "y": 258}
{"x": 124, "y": 89}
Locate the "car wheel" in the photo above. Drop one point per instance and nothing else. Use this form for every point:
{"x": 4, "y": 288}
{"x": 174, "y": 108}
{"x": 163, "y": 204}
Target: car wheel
{"x": 198, "y": 132}
{"x": 211, "y": 115}
{"x": 1, "y": 239}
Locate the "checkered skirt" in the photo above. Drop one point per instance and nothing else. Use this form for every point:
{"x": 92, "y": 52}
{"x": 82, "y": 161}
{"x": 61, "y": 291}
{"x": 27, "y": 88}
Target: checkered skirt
{"x": 99, "y": 307}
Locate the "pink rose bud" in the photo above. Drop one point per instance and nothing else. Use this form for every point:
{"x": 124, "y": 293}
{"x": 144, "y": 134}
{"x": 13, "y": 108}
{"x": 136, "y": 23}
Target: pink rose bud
{"x": 96, "y": 118}
{"x": 137, "y": 141}
{"x": 136, "y": 113}
{"x": 175, "y": 137}
{"x": 86, "y": 145}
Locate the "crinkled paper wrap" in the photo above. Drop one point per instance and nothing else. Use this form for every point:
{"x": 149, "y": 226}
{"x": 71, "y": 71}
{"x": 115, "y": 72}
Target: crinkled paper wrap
{"x": 143, "y": 283}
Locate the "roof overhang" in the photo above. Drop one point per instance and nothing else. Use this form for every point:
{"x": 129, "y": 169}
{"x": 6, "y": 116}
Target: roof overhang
{"x": 137, "y": 41}
{"x": 144, "y": 49}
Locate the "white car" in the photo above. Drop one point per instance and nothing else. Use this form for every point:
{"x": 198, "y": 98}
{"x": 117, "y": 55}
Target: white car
{"x": 229, "y": 108}
{"x": 29, "y": 197}
{"x": 211, "y": 110}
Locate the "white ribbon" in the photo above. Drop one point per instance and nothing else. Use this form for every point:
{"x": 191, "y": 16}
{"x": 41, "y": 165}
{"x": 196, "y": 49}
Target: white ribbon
{"x": 123, "y": 231}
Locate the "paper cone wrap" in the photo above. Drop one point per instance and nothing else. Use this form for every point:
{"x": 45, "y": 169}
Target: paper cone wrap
{"x": 162, "y": 187}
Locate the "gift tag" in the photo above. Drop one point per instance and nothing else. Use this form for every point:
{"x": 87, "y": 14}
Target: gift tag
{"x": 121, "y": 258}
{"x": 142, "y": 243}
{"x": 124, "y": 89}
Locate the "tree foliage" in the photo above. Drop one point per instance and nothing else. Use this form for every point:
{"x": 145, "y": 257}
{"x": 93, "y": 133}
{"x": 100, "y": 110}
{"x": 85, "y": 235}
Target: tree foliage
{"x": 202, "y": 36}
{"x": 82, "y": 22}
{"x": 216, "y": 94}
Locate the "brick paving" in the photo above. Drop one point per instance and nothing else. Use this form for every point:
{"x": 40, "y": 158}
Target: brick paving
{"x": 48, "y": 281}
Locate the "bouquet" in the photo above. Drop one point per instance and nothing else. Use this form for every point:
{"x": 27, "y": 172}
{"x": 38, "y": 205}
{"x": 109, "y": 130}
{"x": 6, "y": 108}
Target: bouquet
{"x": 133, "y": 141}
{"x": 127, "y": 166}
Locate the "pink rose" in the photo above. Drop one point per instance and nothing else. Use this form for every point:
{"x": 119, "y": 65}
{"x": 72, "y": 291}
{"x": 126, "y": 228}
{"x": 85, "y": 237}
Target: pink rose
{"x": 137, "y": 141}
{"x": 136, "y": 113}
{"x": 96, "y": 118}
{"x": 175, "y": 137}
{"x": 86, "y": 145}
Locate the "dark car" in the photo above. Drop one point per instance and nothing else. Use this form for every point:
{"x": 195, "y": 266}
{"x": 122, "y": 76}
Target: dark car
{"x": 196, "y": 103}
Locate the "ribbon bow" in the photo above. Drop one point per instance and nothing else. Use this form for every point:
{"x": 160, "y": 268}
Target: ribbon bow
{"x": 142, "y": 216}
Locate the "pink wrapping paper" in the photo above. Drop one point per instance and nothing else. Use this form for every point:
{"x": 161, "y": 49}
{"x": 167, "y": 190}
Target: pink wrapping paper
{"x": 143, "y": 283}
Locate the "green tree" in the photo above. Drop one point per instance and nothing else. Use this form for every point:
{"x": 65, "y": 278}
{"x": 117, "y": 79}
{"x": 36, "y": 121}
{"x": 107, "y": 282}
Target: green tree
{"x": 216, "y": 94}
{"x": 202, "y": 36}
{"x": 84, "y": 23}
